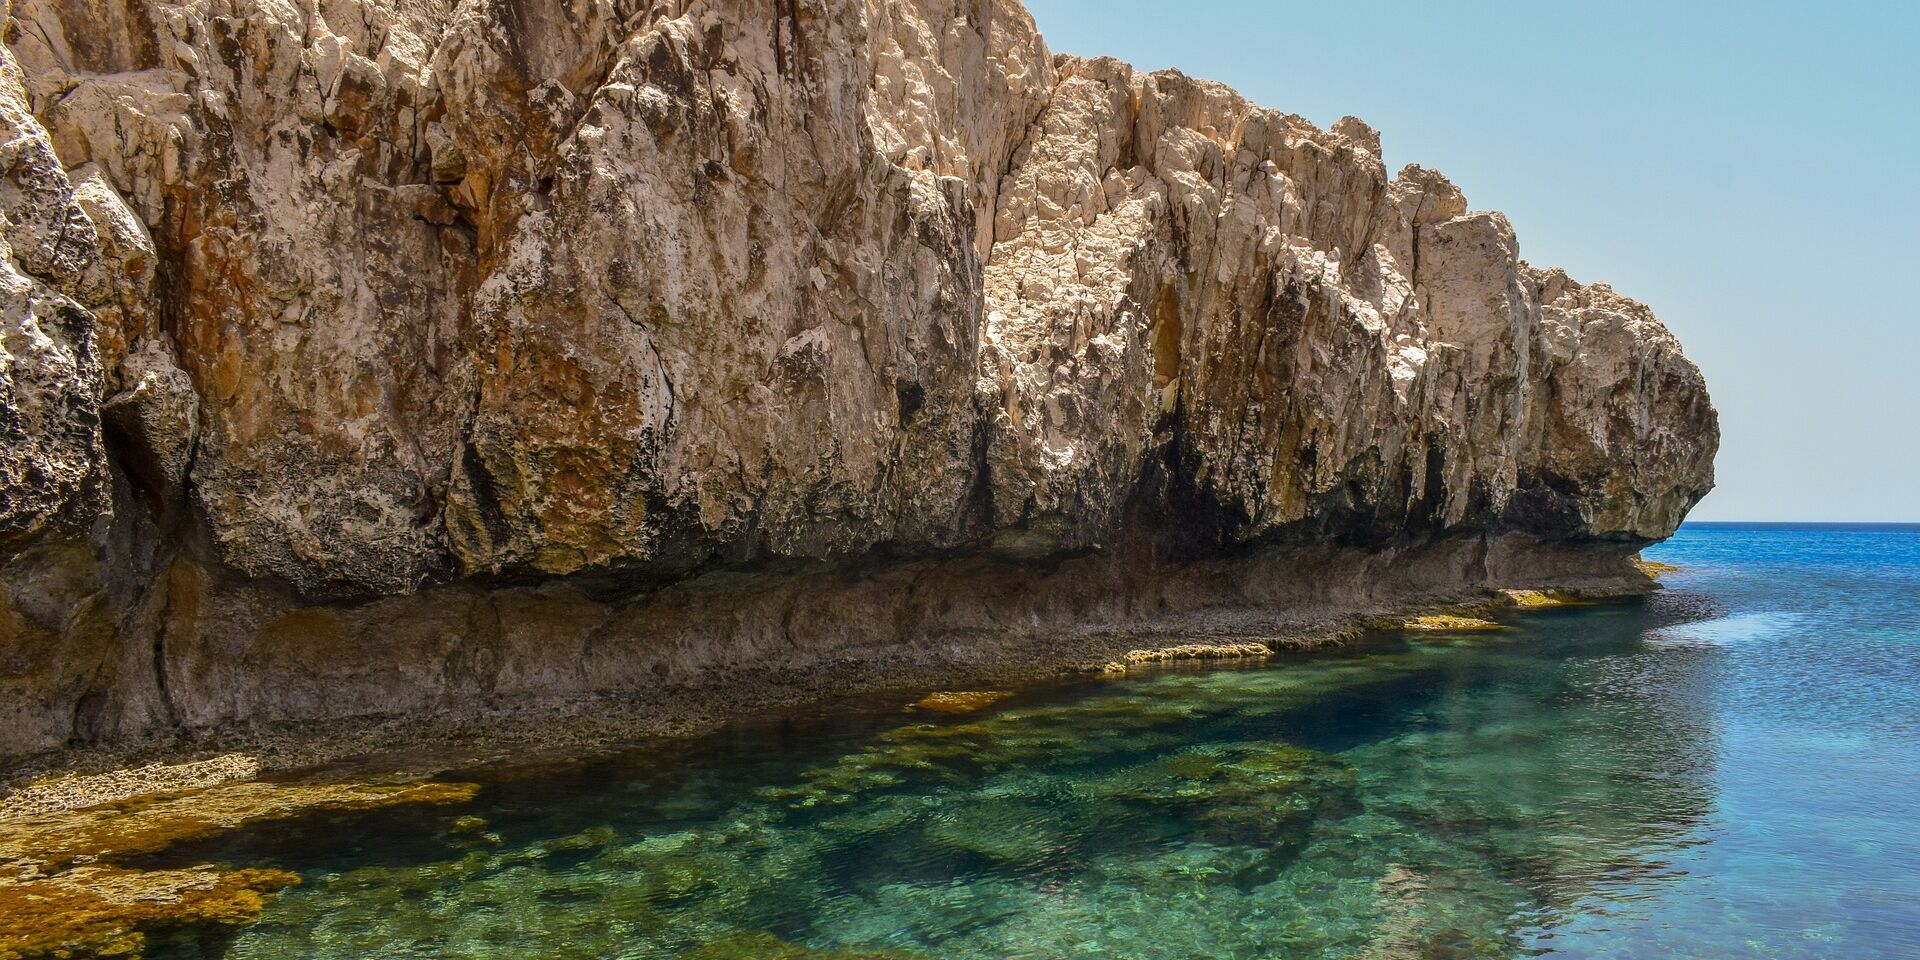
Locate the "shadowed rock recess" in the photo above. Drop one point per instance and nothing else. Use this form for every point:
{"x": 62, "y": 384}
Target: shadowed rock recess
{"x": 387, "y": 356}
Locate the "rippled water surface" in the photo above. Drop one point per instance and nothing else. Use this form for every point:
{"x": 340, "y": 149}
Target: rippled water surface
{"x": 1730, "y": 769}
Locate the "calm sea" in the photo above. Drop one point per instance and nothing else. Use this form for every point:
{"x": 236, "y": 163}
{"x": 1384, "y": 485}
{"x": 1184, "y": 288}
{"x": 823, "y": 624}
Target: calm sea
{"x": 1729, "y": 769}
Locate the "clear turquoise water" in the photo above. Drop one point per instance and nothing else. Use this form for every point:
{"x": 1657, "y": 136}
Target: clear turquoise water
{"x": 1729, "y": 769}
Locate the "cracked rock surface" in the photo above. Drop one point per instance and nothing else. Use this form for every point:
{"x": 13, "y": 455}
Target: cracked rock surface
{"x": 365, "y": 356}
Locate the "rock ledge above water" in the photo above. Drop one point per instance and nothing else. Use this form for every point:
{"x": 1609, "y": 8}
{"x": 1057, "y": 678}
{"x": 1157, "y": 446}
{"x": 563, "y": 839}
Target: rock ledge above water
{"x": 370, "y": 357}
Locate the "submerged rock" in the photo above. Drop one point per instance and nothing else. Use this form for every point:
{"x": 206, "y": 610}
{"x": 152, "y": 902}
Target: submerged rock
{"x": 766, "y": 946}
{"x": 959, "y": 701}
{"x": 1199, "y": 651}
{"x": 112, "y": 912}
{"x": 1176, "y": 814}
{"x": 1543, "y": 599}
{"x": 67, "y": 887}
{"x": 375, "y": 358}
{"x": 1447, "y": 623}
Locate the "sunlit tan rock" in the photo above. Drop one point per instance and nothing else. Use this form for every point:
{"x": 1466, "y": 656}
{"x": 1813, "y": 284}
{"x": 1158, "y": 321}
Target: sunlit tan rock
{"x": 366, "y": 357}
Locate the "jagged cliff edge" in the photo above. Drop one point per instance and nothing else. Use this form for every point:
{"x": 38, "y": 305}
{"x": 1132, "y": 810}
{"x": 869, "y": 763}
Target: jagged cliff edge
{"x": 368, "y": 356}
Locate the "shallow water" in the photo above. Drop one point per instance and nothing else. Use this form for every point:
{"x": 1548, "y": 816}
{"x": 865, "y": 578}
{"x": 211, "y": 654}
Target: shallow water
{"x": 1730, "y": 769}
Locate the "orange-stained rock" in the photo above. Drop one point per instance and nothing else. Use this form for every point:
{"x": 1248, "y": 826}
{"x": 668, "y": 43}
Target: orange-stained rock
{"x": 329, "y": 326}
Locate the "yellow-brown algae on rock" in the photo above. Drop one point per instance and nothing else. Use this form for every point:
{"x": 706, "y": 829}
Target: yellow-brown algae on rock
{"x": 467, "y": 825}
{"x": 63, "y": 894}
{"x": 106, "y": 911}
{"x": 152, "y": 823}
{"x": 1653, "y": 568}
{"x": 1543, "y": 599}
{"x": 1448, "y": 623}
{"x": 76, "y": 790}
{"x": 958, "y": 701}
{"x": 1199, "y": 651}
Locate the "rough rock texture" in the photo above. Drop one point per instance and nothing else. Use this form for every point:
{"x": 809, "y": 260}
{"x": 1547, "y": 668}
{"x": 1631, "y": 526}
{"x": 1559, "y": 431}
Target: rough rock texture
{"x": 375, "y": 355}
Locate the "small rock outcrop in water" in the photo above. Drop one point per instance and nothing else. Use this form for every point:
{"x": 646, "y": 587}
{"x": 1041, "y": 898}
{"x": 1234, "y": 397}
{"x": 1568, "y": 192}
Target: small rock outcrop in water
{"x": 367, "y": 356}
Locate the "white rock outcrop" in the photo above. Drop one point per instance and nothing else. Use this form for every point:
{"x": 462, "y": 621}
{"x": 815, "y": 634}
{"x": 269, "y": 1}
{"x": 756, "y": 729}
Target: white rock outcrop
{"x": 372, "y": 313}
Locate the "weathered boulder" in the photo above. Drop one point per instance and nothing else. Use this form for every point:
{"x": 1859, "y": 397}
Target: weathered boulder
{"x": 328, "y": 327}
{"x": 1312, "y": 350}
{"x": 52, "y": 461}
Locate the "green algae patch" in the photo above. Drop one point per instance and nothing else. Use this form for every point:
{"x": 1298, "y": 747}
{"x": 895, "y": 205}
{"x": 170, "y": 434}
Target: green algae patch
{"x": 592, "y": 838}
{"x": 1178, "y": 814}
{"x": 1011, "y": 833}
{"x": 1240, "y": 790}
{"x": 958, "y": 701}
{"x": 468, "y": 826}
{"x": 66, "y": 891}
{"x": 766, "y": 946}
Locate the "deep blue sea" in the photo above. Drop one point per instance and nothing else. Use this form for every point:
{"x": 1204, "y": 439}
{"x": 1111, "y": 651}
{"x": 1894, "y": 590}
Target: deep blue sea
{"x": 1728, "y": 769}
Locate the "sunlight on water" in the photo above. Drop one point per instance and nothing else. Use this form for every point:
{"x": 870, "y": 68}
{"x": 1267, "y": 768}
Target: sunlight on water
{"x": 1728, "y": 770}
{"x": 1721, "y": 631}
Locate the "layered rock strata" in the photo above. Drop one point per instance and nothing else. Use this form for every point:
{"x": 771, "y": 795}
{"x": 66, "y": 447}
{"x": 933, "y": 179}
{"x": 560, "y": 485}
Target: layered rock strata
{"x": 366, "y": 356}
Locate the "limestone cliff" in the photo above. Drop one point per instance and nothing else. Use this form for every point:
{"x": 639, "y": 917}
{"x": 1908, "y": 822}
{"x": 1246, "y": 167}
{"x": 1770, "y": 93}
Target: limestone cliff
{"x": 383, "y": 355}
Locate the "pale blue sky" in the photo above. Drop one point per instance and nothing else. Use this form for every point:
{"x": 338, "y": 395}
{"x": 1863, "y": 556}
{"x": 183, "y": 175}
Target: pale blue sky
{"x": 1747, "y": 169}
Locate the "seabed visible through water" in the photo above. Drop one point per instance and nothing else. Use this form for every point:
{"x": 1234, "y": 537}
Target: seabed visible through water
{"x": 1728, "y": 769}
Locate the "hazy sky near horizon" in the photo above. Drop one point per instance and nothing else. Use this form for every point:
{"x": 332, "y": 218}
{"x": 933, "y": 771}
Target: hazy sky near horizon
{"x": 1749, "y": 170}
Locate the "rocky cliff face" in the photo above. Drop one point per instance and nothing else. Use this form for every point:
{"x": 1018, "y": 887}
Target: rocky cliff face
{"x": 374, "y": 355}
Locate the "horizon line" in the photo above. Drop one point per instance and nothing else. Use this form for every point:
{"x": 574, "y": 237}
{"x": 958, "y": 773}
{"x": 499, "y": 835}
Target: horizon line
{"x": 1811, "y": 523}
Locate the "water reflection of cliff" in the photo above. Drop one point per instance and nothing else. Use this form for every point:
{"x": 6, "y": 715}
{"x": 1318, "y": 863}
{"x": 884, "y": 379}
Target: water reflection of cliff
{"x": 1452, "y": 796}
{"x": 1564, "y": 784}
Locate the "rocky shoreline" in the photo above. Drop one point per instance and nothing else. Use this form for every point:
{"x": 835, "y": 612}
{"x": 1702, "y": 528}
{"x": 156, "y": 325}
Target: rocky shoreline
{"x": 418, "y": 744}
{"x": 372, "y": 362}
{"x": 83, "y": 822}
{"x": 80, "y": 822}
